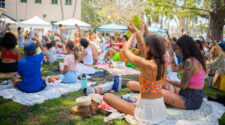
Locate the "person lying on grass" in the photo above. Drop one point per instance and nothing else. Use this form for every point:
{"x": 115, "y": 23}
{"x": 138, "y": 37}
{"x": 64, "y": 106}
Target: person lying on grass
{"x": 29, "y": 77}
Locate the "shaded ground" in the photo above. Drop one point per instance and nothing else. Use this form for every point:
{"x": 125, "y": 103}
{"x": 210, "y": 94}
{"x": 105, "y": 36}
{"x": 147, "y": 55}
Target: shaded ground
{"x": 57, "y": 111}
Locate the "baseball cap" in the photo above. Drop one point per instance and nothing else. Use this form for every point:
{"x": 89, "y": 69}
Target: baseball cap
{"x": 29, "y": 46}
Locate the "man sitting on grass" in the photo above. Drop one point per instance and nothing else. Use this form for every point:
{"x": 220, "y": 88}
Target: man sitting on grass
{"x": 29, "y": 69}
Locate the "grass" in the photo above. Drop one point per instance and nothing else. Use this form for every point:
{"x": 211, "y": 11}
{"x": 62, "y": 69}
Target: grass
{"x": 57, "y": 111}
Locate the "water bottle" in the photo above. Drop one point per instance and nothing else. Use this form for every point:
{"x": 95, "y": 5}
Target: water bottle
{"x": 116, "y": 83}
{"x": 120, "y": 83}
{"x": 83, "y": 82}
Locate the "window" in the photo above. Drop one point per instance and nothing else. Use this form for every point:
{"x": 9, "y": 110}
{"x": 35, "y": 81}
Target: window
{"x": 54, "y": 1}
{"x": 37, "y": 1}
{"x": 23, "y": 1}
{"x": 2, "y": 3}
{"x": 68, "y": 2}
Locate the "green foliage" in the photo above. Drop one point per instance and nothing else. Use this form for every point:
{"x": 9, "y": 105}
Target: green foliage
{"x": 89, "y": 13}
{"x": 136, "y": 21}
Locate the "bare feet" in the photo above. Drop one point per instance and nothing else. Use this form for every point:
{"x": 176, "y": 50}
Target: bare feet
{"x": 51, "y": 80}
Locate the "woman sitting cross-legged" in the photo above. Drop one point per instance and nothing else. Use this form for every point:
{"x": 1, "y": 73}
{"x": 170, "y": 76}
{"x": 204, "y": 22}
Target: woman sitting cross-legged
{"x": 87, "y": 58}
{"x": 69, "y": 72}
{"x": 188, "y": 93}
{"x": 151, "y": 108}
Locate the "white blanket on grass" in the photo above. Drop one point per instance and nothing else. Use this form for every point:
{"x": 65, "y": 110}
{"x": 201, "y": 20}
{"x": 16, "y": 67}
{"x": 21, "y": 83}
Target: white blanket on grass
{"x": 207, "y": 114}
{"x": 51, "y": 91}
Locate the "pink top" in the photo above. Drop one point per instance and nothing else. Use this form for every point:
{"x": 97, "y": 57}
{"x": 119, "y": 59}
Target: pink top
{"x": 197, "y": 80}
{"x": 70, "y": 62}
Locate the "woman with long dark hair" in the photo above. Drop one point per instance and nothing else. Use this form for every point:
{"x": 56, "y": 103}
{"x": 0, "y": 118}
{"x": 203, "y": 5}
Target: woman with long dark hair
{"x": 199, "y": 44}
{"x": 10, "y": 53}
{"x": 189, "y": 92}
{"x": 151, "y": 107}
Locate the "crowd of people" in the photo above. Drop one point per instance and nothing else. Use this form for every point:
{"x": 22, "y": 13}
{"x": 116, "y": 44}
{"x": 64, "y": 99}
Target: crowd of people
{"x": 196, "y": 58}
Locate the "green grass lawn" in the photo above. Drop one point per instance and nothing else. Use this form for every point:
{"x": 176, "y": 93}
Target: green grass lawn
{"x": 57, "y": 111}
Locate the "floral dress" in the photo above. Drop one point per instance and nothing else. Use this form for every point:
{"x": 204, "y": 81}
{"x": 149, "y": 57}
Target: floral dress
{"x": 216, "y": 65}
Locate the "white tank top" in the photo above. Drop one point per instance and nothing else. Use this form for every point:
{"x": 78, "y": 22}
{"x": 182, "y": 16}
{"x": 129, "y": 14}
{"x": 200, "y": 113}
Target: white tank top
{"x": 88, "y": 59}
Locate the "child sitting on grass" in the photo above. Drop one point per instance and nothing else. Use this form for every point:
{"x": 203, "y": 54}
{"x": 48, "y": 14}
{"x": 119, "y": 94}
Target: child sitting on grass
{"x": 69, "y": 74}
{"x": 50, "y": 54}
{"x": 29, "y": 69}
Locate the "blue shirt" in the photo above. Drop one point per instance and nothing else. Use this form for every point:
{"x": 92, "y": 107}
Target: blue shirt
{"x": 180, "y": 59}
{"x": 30, "y": 69}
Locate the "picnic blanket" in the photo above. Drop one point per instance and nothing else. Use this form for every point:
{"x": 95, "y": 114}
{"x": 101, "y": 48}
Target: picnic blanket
{"x": 207, "y": 114}
{"x": 98, "y": 73}
{"x": 8, "y": 91}
{"x": 114, "y": 71}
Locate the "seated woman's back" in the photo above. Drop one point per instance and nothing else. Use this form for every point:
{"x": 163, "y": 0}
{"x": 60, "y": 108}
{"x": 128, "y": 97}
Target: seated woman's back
{"x": 150, "y": 72}
{"x": 150, "y": 85}
{"x": 152, "y": 65}
{"x": 10, "y": 55}
{"x": 197, "y": 76}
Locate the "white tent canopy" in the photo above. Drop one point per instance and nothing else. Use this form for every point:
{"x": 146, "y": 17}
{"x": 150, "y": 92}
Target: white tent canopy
{"x": 7, "y": 20}
{"x": 35, "y": 21}
{"x": 71, "y": 23}
{"x": 37, "y": 24}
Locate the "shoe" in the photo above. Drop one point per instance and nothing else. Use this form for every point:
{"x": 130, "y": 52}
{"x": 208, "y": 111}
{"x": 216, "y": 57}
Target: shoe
{"x": 83, "y": 101}
{"x": 95, "y": 101}
{"x": 83, "y": 107}
{"x": 84, "y": 111}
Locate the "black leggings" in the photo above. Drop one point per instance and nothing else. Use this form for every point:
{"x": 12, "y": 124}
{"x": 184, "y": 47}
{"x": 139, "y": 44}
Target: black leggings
{"x": 8, "y": 67}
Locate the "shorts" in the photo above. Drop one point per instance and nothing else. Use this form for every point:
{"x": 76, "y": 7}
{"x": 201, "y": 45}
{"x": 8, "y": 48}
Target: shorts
{"x": 68, "y": 77}
{"x": 8, "y": 67}
{"x": 192, "y": 98}
{"x": 18, "y": 87}
{"x": 150, "y": 111}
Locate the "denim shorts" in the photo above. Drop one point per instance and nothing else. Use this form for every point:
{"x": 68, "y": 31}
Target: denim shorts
{"x": 68, "y": 77}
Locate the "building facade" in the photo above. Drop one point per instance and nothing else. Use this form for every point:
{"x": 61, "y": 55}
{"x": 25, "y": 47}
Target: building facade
{"x": 49, "y": 10}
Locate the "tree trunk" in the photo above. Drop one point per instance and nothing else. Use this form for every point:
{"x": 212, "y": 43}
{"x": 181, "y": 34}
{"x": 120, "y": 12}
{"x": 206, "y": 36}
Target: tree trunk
{"x": 216, "y": 23}
{"x": 149, "y": 21}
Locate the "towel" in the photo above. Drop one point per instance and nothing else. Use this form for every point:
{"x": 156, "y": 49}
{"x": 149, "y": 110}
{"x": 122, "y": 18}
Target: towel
{"x": 8, "y": 91}
{"x": 114, "y": 71}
